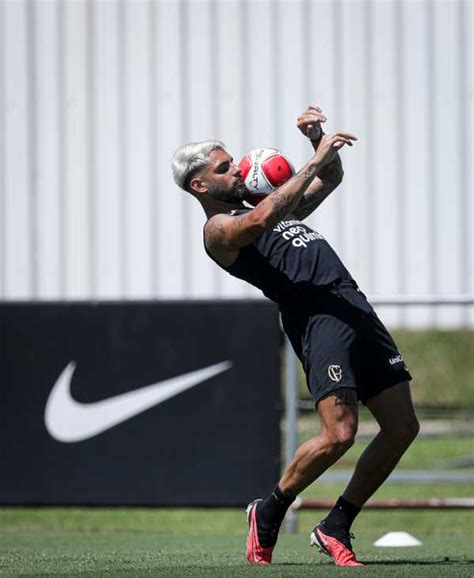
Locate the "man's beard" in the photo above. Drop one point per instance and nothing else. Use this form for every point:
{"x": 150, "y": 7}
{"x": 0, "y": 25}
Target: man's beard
{"x": 237, "y": 194}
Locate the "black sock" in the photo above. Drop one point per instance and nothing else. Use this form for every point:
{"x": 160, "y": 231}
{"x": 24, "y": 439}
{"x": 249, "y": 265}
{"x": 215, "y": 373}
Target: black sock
{"x": 341, "y": 516}
{"x": 270, "y": 515}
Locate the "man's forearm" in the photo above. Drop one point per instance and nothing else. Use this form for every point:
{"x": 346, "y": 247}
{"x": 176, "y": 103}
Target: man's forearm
{"x": 328, "y": 179}
{"x": 311, "y": 201}
{"x": 287, "y": 197}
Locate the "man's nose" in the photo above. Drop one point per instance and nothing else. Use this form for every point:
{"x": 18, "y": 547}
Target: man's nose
{"x": 237, "y": 171}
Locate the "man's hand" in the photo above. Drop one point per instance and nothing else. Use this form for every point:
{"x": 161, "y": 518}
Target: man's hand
{"x": 309, "y": 123}
{"x": 330, "y": 144}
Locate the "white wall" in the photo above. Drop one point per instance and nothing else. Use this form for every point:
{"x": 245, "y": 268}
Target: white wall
{"x": 96, "y": 96}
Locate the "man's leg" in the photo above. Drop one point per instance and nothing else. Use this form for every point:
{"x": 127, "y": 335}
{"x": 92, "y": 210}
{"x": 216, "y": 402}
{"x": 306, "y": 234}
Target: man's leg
{"x": 394, "y": 412}
{"x": 338, "y": 414}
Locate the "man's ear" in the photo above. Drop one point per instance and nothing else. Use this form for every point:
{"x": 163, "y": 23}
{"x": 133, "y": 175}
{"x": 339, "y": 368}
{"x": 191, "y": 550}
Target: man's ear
{"x": 198, "y": 185}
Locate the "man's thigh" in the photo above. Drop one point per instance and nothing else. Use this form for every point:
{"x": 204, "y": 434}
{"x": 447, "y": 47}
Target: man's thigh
{"x": 343, "y": 344}
{"x": 377, "y": 362}
{"x": 338, "y": 412}
{"x": 393, "y": 407}
{"x": 328, "y": 355}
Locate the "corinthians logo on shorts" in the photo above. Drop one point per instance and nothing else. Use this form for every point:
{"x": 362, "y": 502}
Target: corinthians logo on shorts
{"x": 335, "y": 372}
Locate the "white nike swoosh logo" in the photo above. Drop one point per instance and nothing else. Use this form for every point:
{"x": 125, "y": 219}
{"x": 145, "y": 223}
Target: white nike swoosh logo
{"x": 67, "y": 420}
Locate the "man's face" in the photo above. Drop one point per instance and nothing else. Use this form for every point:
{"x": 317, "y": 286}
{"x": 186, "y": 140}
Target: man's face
{"x": 222, "y": 179}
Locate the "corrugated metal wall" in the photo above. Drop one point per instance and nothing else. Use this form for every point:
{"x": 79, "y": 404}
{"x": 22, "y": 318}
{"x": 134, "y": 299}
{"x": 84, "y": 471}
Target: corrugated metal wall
{"x": 96, "y": 96}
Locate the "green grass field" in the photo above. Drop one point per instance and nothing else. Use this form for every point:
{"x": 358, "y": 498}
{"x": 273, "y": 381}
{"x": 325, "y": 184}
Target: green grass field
{"x": 139, "y": 542}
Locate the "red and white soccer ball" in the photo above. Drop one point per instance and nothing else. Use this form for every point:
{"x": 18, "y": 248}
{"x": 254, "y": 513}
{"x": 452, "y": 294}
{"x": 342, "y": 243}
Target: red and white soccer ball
{"x": 263, "y": 171}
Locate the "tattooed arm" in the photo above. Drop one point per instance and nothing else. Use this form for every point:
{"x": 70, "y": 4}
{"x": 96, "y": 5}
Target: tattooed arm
{"x": 309, "y": 123}
{"x": 226, "y": 235}
{"x": 328, "y": 178}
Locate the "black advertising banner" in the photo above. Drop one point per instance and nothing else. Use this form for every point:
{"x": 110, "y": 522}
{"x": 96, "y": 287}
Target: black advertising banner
{"x": 148, "y": 403}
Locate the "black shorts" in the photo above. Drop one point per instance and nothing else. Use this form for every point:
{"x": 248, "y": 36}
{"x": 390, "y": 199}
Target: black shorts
{"x": 342, "y": 343}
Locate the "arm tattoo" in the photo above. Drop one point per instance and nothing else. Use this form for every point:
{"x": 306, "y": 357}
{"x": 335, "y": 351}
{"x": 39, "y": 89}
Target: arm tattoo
{"x": 310, "y": 172}
{"x": 311, "y": 202}
{"x": 214, "y": 229}
{"x": 231, "y": 233}
{"x": 345, "y": 396}
{"x": 330, "y": 177}
{"x": 285, "y": 201}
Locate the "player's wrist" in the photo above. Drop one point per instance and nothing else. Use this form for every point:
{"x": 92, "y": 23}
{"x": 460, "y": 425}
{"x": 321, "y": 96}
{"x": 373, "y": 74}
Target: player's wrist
{"x": 313, "y": 167}
{"x": 316, "y": 141}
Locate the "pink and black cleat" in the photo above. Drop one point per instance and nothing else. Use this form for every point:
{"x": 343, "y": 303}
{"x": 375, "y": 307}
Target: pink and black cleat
{"x": 336, "y": 546}
{"x": 256, "y": 554}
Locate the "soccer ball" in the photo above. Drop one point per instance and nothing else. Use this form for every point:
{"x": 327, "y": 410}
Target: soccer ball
{"x": 263, "y": 171}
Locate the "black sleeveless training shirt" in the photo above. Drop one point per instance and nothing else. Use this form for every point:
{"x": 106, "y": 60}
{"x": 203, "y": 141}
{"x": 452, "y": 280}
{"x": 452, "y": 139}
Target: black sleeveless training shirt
{"x": 290, "y": 260}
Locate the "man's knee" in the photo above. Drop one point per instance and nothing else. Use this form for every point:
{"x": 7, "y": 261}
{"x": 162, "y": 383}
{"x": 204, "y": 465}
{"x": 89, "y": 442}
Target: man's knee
{"x": 341, "y": 438}
{"x": 410, "y": 429}
{"x": 339, "y": 416}
{"x": 393, "y": 410}
{"x": 404, "y": 431}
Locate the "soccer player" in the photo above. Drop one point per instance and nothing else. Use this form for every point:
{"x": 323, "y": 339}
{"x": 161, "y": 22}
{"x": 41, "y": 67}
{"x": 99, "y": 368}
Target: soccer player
{"x": 346, "y": 352}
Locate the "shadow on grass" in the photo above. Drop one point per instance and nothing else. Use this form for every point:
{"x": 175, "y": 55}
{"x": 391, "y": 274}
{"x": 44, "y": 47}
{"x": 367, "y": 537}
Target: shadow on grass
{"x": 412, "y": 562}
{"x": 289, "y": 564}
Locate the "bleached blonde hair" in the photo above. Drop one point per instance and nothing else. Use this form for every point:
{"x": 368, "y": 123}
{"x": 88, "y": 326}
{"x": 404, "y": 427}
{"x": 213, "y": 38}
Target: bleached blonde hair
{"x": 190, "y": 158}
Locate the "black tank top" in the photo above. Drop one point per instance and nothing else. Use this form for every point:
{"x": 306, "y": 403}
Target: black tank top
{"x": 290, "y": 260}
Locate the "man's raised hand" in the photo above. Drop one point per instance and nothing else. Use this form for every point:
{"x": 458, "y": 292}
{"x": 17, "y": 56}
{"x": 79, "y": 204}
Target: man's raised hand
{"x": 330, "y": 144}
{"x": 309, "y": 123}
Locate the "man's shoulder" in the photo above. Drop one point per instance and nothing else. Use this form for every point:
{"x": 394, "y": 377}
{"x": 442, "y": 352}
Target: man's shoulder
{"x": 218, "y": 219}
{"x": 215, "y": 240}
{"x": 214, "y": 223}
